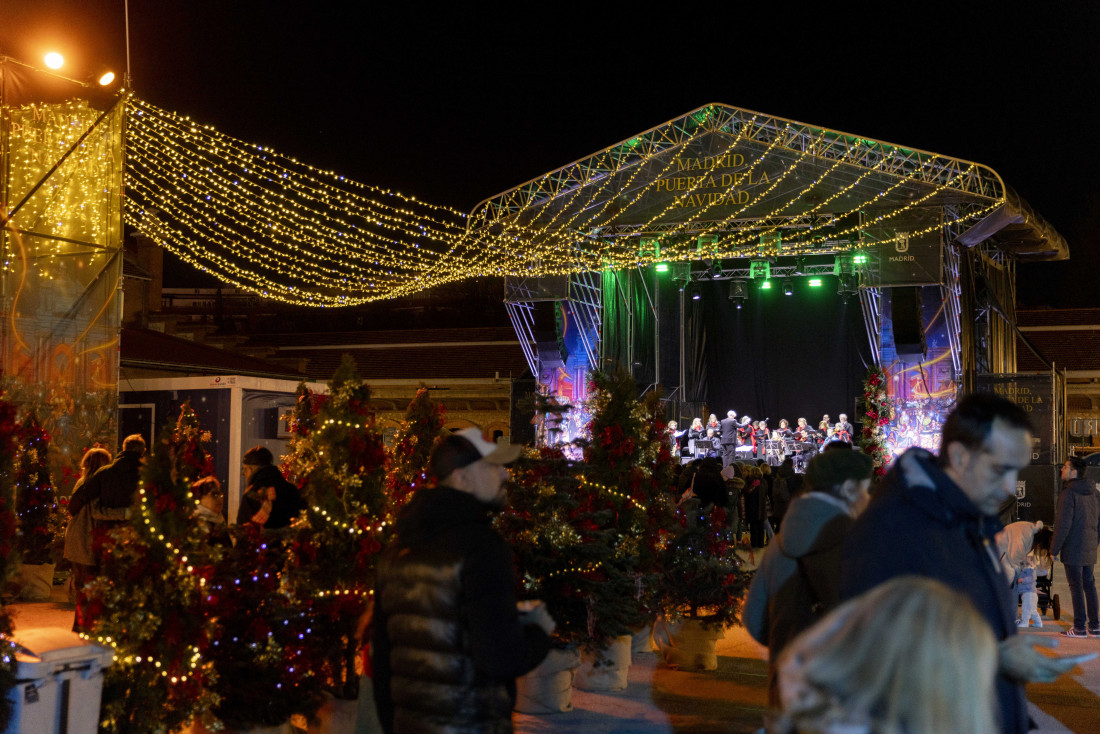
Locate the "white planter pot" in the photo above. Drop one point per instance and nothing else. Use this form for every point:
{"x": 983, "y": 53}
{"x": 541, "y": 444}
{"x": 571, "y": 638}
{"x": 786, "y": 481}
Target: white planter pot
{"x": 606, "y": 669}
{"x": 36, "y": 581}
{"x": 336, "y": 716}
{"x": 686, "y": 644}
{"x": 642, "y": 641}
{"x": 548, "y": 689}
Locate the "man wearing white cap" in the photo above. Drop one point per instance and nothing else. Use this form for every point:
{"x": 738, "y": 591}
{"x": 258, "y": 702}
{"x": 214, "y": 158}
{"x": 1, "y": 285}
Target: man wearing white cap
{"x": 448, "y": 638}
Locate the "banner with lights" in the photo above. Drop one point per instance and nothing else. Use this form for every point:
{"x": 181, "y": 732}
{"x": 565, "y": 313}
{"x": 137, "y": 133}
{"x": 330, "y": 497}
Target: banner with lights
{"x": 62, "y": 269}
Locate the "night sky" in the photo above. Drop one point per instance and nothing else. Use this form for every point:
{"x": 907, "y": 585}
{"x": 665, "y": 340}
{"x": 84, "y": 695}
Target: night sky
{"x": 455, "y": 105}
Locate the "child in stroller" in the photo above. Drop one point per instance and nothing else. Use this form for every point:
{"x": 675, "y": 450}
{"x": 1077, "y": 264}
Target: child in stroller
{"x": 1044, "y": 573}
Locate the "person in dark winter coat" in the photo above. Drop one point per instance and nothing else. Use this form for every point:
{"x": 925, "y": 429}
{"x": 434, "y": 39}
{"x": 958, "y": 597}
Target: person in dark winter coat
{"x": 269, "y": 499}
{"x": 797, "y": 580}
{"x": 755, "y": 495}
{"x": 938, "y": 518}
{"x": 114, "y": 486}
{"x": 448, "y": 638}
{"x": 1076, "y": 532}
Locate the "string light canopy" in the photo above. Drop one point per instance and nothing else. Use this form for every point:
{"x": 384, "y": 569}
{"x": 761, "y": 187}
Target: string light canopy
{"x": 720, "y": 182}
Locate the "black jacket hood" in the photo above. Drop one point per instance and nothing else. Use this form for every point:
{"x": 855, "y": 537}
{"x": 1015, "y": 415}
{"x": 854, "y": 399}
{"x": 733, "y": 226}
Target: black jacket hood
{"x": 433, "y": 511}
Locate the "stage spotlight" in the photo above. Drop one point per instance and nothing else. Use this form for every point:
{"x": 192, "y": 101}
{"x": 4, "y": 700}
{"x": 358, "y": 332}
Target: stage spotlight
{"x": 815, "y": 282}
{"x": 694, "y": 292}
{"x": 766, "y": 285}
{"x": 739, "y": 292}
{"x": 788, "y": 287}
{"x": 716, "y": 269}
{"x": 54, "y": 60}
{"x": 106, "y": 78}
{"x": 847, "y": 286}
{"x": 661, "y": 267}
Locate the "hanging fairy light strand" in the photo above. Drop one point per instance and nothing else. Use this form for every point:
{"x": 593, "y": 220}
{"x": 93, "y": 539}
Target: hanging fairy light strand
{"x": 278, "y": 227}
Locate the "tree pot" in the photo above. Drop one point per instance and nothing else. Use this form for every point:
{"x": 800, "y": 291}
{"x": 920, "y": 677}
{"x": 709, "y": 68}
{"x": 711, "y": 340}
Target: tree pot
{"x": 642, "y": 641}
{"x": 606, "y": 669}
{"x": 686, "y": 644}
{"x": 36, "y": 581}
{"x": 336, "y": 716}
{"x": 548, "y": 689}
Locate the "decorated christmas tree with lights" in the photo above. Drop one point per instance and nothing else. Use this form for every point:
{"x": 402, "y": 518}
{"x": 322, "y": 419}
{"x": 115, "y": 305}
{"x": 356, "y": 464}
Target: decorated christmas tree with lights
{"x": 876, "y": 415}
{"x": 628, "y": 462}
{"x": 701, "y": 576}
{"x": 148, "y": 603}
{"x": 411, "y": 448}
{"x": 34, "y": 495}
{"x": 338, "y": 460}
{"x": 263, "y": 650}
{"x": 9, "y": 556}
{"x": 587, "y": 533}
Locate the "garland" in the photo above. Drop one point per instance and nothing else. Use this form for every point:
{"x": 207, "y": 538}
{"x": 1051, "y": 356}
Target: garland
{"x": 876, "y": 414}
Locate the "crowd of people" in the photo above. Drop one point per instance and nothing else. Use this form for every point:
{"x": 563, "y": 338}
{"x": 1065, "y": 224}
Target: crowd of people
{"x": 104, "y": 496}
{"x": 885, "y": 608}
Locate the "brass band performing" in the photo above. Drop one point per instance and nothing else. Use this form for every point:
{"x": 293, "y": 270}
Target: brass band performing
{"x": 744, "y": 439}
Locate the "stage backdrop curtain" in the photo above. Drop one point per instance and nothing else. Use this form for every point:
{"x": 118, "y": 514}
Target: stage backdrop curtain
{"x": 779, "y": 356}
{"x": 628, "y": 318}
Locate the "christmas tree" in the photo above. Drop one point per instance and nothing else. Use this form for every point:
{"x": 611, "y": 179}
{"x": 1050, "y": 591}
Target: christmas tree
{"x": 261, "y": 652}
{"x": 423, "y": 424}
{"x": 701, "y": 576}
{"x": 148, "y": 601}
{"x": 564, "y": 536}
{"x": 628, "y": 464}
{"x": 9, "y": 555}
{"x": 587, "y": 534}
{"x": 338, "y": 459}
{"x": 876, "y": 415}
{"x": 34, "y": 495}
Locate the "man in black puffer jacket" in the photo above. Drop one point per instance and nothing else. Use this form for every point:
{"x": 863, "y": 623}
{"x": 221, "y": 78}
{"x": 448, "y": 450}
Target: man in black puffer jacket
{"x": 448, "y": 640}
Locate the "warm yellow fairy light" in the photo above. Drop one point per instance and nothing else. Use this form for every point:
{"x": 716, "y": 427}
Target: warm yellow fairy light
{"x": 280, "y": 228}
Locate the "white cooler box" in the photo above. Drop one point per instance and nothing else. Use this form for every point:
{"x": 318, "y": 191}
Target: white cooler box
{"x": 60, "y": 682}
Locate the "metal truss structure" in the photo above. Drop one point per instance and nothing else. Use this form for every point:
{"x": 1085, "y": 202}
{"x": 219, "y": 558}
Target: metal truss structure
{"x": 819, "y": 143}
{"x": 581, "y": 290}
{"x": 837, "y": 193}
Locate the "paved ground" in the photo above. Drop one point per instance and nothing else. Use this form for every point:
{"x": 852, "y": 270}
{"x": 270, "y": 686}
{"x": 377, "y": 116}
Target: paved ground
{"x": 731, "y": 699}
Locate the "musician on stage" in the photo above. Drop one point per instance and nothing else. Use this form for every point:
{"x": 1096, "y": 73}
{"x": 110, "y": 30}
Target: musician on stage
{"x": 712, "y": 422}
{"x": 759, "y": 439}
{"x": 728, "y": 438}
{"x": 784, "y": 430}
{"x": 744, "y": 431}
{"x": 844, "y": 426}
{"x": 696, "y": 431}
{"x": 710, "y": 443}
{"x": 674, "y": 436}
{"x": 839, "y": 434}
{"x": 802, "y": 432}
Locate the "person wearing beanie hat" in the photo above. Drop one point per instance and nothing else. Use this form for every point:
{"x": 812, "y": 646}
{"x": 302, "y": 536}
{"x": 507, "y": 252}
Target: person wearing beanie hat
{"x": 449, "y": 638}
{"x": 797, "y": 581}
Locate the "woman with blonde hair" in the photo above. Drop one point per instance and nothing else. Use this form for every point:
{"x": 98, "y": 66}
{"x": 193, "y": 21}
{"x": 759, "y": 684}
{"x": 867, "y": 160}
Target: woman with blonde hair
{"x": 910, "y": 656}
{"x": 78, "y": 534}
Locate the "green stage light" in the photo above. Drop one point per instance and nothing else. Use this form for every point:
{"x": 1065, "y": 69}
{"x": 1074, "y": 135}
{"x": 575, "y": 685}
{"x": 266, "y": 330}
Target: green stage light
{"x": 859, "y": 259}
{"x": 766, "y": 284}
{"x": 815, "y": 282}
{"x": 661, "y": 267}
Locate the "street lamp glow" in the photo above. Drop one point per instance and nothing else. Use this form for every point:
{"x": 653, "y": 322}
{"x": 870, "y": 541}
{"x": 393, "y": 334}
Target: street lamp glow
{"x": 107, "y": 78}
{"x": 54, "y": 60}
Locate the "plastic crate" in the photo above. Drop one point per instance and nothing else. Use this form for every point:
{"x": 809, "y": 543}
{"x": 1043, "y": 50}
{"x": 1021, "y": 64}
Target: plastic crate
{"x": 59, "y": 683}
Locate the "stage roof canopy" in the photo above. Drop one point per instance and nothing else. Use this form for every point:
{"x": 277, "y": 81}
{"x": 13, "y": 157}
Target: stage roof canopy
{"x": 722, "y": 182}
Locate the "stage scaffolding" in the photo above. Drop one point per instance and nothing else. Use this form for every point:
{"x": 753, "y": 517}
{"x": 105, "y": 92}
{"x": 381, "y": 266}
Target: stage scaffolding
{"x": 721, "y": 193}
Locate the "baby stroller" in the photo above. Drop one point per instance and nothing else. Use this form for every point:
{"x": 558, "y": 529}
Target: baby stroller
{"x": 1044, "y": 583}
{"x": 1042, "y": 590}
